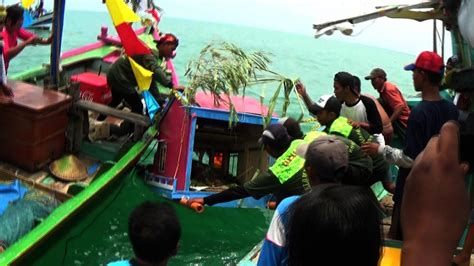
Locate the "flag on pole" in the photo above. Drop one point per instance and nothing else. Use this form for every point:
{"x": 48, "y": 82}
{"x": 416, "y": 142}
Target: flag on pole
{"x": 142, "y": 75}
{"x": 26, "y": 3}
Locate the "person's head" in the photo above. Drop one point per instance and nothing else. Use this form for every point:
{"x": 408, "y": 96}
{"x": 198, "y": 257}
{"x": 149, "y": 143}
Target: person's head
{"x": 357, "y": 84}
{"x": 154, "y": 231}
{"x": 275, "y": 139}
{"x": 332, "y": 219}
{"x": 428, "y": 70}
{"x": 326, "y": 159}
{"x": 452, "y": 63}
{"x": 167, "y": 45}
{"x": 327, "y": 109}
{"x": 343, "y": 86}
{"x": 377, "y": 78}
{"x": 14, "y": 17}
{"x": 292, "y": 127}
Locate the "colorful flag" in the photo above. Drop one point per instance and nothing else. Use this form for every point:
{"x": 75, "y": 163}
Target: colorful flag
{"x": 120, "y": 12}
{"x": 26, "y": 3}
{"x": 142, "y": 75}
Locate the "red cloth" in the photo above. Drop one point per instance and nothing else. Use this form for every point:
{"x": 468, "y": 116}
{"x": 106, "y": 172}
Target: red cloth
{"x": 393, "y": 99}
{"x": 130, "y": 41}
{"x": 10, "y": 40}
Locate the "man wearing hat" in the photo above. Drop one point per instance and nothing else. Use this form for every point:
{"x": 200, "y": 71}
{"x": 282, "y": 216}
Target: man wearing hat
{"x": 392, "y": 100}
{"x": 327, "y": 110}
{"x": 122, "y": 81}
{"x": 283, "y": 179}
{"x": 424, "y": 122}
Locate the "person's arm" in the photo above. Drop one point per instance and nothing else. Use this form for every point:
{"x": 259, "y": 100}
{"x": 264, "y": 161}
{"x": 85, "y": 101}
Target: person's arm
{"x": 151, "y": 63}
{"x": 375, "y": 122}
{"x": 392, "y": 155}
{"x": 301, "y": 89}
{"x": 12, "y": 52}
{"x": 436, "y": 182}
{"x": 396, "y": 114}
{"x": 227, "y": 195}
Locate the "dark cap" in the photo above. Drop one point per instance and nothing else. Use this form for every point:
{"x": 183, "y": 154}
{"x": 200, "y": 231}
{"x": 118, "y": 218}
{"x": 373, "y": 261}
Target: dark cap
{"x": 375, "y": 73}
{"x": 326, "y": 102}
{"x": 429, "y": 61}
{"x": 327, "y": 155}
{"x": 275, "y": 136}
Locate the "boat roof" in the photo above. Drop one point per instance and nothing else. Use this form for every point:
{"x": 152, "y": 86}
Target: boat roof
{"x": 242, "y": 104}
{"x": 419, "y": 11}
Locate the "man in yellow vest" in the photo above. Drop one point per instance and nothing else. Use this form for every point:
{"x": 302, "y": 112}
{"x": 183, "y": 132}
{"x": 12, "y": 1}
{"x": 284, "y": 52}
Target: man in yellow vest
{"x": 284, "y": 178}
{"x": 327, "y": 110}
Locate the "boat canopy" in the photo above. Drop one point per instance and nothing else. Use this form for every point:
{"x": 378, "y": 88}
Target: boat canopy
{"x": 420, "y": 11}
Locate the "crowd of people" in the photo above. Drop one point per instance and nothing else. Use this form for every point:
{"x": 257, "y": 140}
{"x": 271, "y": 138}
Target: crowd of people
{"x": 326, "y": 213}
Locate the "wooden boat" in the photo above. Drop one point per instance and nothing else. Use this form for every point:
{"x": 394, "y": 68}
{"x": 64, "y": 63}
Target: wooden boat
{"x": 45, "y": 124}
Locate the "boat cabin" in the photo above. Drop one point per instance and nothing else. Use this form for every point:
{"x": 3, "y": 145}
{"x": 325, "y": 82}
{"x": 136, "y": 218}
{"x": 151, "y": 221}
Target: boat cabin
{"x": 199, "y": 154}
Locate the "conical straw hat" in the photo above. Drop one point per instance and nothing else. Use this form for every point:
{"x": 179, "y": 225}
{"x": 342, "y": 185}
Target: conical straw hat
{"x": 68, "y": 168}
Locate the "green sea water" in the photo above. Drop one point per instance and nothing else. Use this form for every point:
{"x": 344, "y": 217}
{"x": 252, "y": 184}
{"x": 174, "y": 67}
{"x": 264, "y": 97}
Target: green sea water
{"x": 219, "y": 236}
{"x": 313, "y": 61}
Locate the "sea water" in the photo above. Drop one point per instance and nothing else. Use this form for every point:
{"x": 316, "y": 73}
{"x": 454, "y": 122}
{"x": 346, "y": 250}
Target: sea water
{"x": 218, "y": 236}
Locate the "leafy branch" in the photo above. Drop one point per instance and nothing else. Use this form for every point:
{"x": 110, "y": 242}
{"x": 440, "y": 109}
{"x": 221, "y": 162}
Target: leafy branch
{"x": 223, "y": 69}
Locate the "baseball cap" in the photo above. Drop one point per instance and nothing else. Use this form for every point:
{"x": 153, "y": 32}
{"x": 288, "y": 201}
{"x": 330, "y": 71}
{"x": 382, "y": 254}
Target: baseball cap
{"x": 429, "y": 61}
{"x": 275, "y": 135}
{"x": 376, "y": 72}
{"x": 327, "y": 155}
{"x": 167, "y": 38}
{"x": 326, "y": 102}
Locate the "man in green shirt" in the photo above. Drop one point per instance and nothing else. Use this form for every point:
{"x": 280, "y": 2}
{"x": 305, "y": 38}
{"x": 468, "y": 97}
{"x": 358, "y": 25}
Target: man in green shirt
{"x": 283, "y": 179}
{"x": 327, "y": 110}
{"x": 122, "y": 81}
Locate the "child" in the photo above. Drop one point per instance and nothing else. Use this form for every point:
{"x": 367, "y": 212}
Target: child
{"x": 154, "y": 232}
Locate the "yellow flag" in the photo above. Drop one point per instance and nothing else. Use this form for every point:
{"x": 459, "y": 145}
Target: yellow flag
{"x": 120, "y": 12}
{"x": 142, "y": 75}
{"x": 391, "y": 256}
{"x": 26, "y": 3}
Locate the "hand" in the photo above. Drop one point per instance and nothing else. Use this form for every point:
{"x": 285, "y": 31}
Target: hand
{"x": 435, "y": 204}
{"x": 300, "y": 88}
{"x": 5, "y": 99}
{"x": 7, "y": 90}
{"x": 370, "y": 148}
{"x": 354, "y": 124}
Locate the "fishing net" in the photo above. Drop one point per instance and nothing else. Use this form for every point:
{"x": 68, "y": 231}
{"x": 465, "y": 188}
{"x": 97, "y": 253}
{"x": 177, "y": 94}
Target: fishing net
{"x": 23, "y": 214}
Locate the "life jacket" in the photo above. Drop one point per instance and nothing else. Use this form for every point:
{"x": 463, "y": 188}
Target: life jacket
{"x": 289, "y": 163}
{"x": 341, "y": 125}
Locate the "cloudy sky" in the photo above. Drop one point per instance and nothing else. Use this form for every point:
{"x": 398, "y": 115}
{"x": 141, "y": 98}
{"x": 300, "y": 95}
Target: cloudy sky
{"x": 298, "y": 16}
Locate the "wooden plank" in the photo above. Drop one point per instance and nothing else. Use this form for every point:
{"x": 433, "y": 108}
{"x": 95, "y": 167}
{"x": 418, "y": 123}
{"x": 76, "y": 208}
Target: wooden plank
{"x": 10, "y": 172}
{"x": 104, "y": 109}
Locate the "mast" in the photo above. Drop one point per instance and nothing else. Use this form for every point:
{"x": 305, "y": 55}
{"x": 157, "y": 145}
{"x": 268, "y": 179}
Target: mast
{"x": 57, "y": 33}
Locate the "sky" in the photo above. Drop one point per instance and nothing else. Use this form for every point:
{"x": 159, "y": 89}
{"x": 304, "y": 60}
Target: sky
{"x": 298, "y": 16}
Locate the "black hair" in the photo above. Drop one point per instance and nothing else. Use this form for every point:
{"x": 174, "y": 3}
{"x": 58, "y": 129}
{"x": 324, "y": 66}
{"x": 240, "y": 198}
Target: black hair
{"x": 14, "y": 13}
{"x": 293, "y": 128}
{"x": 433, "y": 77}
{"x": 332, "y": 218}
{"x": 154, "y": 231}
{"x": 357, "y": 84}
{"x": 345, "y": 79}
